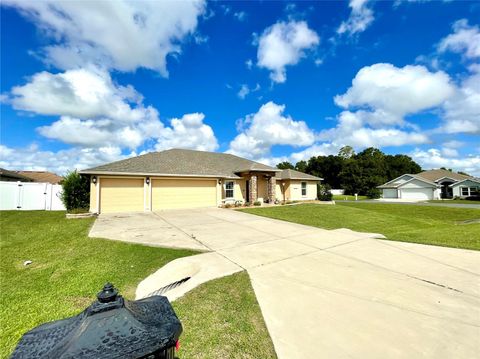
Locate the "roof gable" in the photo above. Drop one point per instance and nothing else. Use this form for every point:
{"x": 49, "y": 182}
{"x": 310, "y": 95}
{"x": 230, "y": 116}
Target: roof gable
{"x": 181, "y": 162}
{"x": 436, "y": 175}
{"x": 292, "y": 174}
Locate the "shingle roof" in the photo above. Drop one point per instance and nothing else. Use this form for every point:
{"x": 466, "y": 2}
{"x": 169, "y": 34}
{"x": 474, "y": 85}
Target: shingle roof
{"x": 42, "y": 176}
{"x": 292, "y": 174}
{"x": 13, "y": 175}
{"x": 182, "y": 162}
{"x": 434, "y": 175}
{"x": 393, "y": 184}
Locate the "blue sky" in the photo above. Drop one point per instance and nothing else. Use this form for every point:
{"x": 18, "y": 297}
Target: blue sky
{"x": 83, "y": 83}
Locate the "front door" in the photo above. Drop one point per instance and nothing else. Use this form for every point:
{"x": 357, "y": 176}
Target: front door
{"x": 247, "y": 191}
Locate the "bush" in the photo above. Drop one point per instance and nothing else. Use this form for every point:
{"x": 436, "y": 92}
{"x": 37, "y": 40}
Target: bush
{"x": 228, "y": 205}
{"x": 75, "y": 192}
{"x": 473, "y": 198}
{"x": 323, "y": 192}
{"x": 257, "y": 203}
{"x": 373, "y": 193}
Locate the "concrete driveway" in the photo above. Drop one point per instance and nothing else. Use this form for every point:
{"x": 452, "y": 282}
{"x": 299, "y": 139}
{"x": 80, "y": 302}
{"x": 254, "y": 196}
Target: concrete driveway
{"x": 323, "y": 294}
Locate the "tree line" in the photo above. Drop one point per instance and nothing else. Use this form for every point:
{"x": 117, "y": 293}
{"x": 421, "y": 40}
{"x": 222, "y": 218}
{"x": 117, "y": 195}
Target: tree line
{"x": 356, "y": 172}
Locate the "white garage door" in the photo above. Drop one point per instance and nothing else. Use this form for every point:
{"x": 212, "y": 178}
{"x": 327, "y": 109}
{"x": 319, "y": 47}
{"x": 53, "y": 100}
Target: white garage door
{"x": 389, "y": 193}
{"x": 183, "y": 193}
{"x": 417, "y": 193}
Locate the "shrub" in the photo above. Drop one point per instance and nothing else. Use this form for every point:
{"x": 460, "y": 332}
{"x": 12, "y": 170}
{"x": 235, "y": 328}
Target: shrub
{"x": 323, "y": 192}
{"x": 257, "y": 203}
{"x": 247, "y": 204}
{"x": 227, "y": 205}
{"x": 473, "y": 198}
{"x": 75, "y": 192}
{"x": 238, "y": 203}
{"x": 373, "y": 193}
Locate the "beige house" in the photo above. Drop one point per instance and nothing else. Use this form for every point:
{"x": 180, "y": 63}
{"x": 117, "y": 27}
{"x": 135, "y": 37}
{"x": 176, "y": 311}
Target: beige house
{"x": 179, "y": 178}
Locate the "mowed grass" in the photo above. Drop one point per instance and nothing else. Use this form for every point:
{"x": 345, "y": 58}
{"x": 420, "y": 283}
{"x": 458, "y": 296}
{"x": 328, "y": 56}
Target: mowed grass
{"x": 69, "y": 268}
{"x": 222, "y": 319}
{"x": 347, "y": 197}
{"x": 455, "y": 201}
{"x": 442, "y": 226}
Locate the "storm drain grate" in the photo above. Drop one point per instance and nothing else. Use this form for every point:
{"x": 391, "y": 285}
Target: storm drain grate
{"x": 168, "y": 287}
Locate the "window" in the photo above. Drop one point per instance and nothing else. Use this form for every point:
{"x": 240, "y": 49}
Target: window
{"x": 304, "y": 189}
{"x": 464, "y": 191}
{"x": 229, "y": 189}
{"x": 473, "y": 191}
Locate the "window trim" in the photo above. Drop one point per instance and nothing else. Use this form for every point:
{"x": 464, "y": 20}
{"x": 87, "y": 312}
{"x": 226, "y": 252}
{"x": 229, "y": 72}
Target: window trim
{"x": 301, "y": 188}
{"x": 229, "y": 189}
{"x": 464, "y": 188}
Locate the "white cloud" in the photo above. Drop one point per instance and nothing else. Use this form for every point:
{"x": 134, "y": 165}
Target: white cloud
{"x": 284, "y": 44}
{"x": 353, "y": 130}
{"x": 60, "y": 162}
{"x": 361, "y": 16}
{"x": 434, "y": 158}
{"x": 249, "y": 64}
{"x": 240, "y": 15}
{"x": 462, "y": 111}
{"x": 123, "y": 35}
{"x": 95, "y": 112}
{"x": 245, "y": 90}
{"x": 188, "y": 132}
{"x": 397, "y": 91}
{"x": 465, "y": 39}
{"x": 269, "y": 127}
{"x": 80, "y": 93}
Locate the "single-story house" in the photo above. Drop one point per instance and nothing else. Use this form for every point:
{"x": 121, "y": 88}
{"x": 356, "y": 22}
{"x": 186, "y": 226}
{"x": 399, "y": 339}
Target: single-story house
{"x": 12, "y": 176}
{"x": 42, "y": 176}
{"x": 433, "y": 184}
{"x": 180, "y": 178}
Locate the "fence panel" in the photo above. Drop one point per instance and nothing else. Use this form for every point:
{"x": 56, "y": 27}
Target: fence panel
{"x": 30, "y": 196}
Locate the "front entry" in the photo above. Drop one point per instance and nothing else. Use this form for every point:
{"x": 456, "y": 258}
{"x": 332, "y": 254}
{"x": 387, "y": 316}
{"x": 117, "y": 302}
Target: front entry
{"x": 447, "y": 191}
{"x": 247, "y": 191}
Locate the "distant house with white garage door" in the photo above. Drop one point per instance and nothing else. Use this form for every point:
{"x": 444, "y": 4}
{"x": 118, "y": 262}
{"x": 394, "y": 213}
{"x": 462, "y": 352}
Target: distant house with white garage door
{"x": 179, "y": 178}
{"x": 433, "y": 184}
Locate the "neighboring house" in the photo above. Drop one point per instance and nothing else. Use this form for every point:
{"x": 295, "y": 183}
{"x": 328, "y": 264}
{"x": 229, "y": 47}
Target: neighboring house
{"x": 11, "y": 176}
{"x": 42, "y": 176}
{"x": 433, "y": 184}
{"x": 180, "y": 178}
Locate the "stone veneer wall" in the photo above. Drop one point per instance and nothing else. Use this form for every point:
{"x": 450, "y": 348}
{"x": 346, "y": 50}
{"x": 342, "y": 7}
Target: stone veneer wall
{"x": 253, "y": 188}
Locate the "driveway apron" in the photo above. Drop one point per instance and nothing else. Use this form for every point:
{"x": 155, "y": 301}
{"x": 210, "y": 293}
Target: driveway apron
{"x": 323, "y": 293}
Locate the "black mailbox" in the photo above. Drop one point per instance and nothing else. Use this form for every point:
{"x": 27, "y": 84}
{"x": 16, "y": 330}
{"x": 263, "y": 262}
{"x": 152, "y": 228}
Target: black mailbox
{"x": 110, "y": 327}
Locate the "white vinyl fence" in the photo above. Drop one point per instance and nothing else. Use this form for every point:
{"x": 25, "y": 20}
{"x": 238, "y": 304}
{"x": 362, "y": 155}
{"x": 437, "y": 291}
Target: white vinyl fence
{"x": 30, "y": 196}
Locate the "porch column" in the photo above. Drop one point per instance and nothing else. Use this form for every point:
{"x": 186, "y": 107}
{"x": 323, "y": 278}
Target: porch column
{"x": 272, "y": 181}
{"x": 253, "y": 188}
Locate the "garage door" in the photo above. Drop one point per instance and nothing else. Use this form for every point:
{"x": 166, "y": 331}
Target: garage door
{"x": 170, "y": 194}
{"x": 121, "y": 195}
{"x": 417, "y": 193}
{"x": 389, "y": 193}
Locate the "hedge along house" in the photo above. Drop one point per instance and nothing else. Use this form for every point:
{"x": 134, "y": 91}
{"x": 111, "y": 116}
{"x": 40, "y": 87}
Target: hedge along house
{"x": 179, "y": 178}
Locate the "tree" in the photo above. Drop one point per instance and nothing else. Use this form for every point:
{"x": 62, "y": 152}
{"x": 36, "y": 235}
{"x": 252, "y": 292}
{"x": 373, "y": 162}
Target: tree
{"x": 463, "y": 173}
{"x": 400, "y": 164}
{"x": 301, "y": 166}
{"x": 285, "y": 165}
{"x": 76, "y": 191}
{"x": 346, "y": 152}
{"x": 328, "y": 168}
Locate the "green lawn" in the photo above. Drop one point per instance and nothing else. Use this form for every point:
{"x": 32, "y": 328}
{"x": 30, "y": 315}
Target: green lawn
{"x": 347, "y": 197}
{"x": 436, "y": 225}
{"x": 460, "y": 201}
{"x": 69, "y": 268}
{"x": 222, "y": 319}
